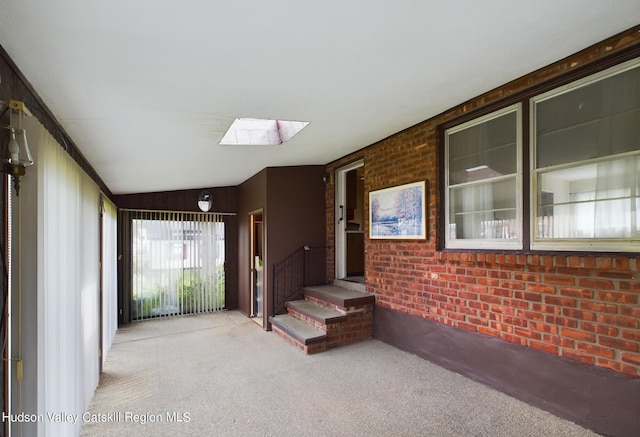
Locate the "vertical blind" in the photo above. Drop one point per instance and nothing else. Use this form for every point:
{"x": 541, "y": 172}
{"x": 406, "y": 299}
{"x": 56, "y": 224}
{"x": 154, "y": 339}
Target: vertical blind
{"x": 69, "y": 217}
{"x": 109, "y": 275}
{"x": 177, "y": 263}
{"x": 55, "y": 325}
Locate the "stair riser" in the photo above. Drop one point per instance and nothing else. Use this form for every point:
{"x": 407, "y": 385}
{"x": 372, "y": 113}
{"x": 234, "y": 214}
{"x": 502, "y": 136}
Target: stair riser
{"x": 308, "y": 320}
{"x": 307, "y": 349}
{"x": 357, "y": 327}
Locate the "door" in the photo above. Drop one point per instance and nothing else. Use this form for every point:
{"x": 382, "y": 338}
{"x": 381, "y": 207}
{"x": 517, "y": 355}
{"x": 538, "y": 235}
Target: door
{"x": 350, "y": 222}
{"x": 257, "y": 266}
{"x": 177, "y": 263}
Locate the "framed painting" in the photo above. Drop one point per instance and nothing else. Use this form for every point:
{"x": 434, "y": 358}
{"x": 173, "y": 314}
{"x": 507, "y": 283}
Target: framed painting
{"x": 398, "y": 212}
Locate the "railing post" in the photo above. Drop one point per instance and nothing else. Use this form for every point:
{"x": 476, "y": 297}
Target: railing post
{"x": 304, "y": 265}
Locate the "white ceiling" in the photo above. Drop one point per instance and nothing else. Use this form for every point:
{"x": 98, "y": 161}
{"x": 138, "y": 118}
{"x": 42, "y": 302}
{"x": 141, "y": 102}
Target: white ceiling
{"x": 146, "y": 89}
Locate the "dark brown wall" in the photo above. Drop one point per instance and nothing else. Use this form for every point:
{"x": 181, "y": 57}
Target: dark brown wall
{"x": 292, "y": 199}
{"x": 252, "y": 196}
{"x": 224, "y": 201}
{"x": 296, "y": 209}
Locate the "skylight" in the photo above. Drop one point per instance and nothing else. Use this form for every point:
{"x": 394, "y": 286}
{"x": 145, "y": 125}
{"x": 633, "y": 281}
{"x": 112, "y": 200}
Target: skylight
{"x": 260, "y": 132}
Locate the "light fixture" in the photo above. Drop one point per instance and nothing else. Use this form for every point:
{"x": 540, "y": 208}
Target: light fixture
{"x": 476, "y": 168}
{"x": 16, "y": 156}
{"x": 205, "y": 201}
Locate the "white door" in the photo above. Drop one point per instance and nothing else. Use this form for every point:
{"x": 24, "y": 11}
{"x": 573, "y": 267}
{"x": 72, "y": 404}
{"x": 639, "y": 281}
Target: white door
{"x": 349, "y": 221}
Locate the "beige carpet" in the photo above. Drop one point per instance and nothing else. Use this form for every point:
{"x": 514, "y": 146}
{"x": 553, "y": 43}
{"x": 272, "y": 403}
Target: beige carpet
{"x": 222, "y": 375}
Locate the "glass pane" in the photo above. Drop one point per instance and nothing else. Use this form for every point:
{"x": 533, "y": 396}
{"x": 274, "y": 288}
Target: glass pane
{"x": 484, "y": 210}
{"x": 178, "y": 264}
{"x": 483, "y": 151}
{"x": 590, "y": 201}
{"x": 596, "y": 120}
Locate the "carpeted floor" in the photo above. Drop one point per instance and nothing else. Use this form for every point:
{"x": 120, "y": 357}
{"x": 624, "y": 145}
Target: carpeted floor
{"x": 222, "y": 375}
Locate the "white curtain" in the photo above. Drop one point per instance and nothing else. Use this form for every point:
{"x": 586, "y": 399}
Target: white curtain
{"x": 109, "y": 275}
{"x": 609, "y": 209}
{"x": 476, "y": 200}
{"x": 55, "y": 308}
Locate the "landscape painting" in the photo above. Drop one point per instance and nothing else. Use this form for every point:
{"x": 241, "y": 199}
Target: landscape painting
{"x": 398, "y": 212}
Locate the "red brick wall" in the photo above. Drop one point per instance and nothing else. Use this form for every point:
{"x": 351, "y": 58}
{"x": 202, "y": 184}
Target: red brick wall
{"x": 582, "y": 307}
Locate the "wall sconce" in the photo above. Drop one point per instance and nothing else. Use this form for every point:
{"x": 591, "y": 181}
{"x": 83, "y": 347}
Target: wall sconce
{"x": 16, "y": 156}
{"x": 205, "y": 201}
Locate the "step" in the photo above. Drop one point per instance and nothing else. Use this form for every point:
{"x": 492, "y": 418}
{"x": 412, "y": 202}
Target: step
{"x": 339, "y": 296}
{"x": 350, "y": 285}
{"x": 299, "y": 331}
{"x": 316, "y": 312}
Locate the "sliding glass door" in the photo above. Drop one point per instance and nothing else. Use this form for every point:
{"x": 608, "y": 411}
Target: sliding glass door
{"x": 177, "y": 263}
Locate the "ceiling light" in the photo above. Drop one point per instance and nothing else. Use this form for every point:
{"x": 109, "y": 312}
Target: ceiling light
{"x": 261, "y": 132}
{"x": 479, "y": 167}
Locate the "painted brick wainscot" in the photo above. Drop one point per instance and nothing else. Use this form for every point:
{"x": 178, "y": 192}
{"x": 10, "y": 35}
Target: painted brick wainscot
{"x": 558, "y": 330}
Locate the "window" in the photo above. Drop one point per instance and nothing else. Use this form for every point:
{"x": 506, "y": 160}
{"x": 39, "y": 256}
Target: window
{"x": 586, "y": 163}
{"x": 583, "y": 170}
{"x": 483, "y": 180}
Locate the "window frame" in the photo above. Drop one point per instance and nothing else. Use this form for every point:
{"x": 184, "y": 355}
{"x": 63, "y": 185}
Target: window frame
{"x": 489, "y": 243}
{"x": 572, "y": 244}
{"x": 589, "y": 72}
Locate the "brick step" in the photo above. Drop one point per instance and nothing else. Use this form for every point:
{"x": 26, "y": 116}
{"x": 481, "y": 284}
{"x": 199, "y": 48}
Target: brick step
{"x": 299, "y": 334}
{"x": 338, "y": 296}
{"x": 329, "y": 317}
{"x": 304, "y": 309}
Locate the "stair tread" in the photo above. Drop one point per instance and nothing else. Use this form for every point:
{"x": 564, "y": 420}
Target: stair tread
{"x": 317, "y": 312}
{"x": 340, "y": 296}
{"x": 297, "y": 329}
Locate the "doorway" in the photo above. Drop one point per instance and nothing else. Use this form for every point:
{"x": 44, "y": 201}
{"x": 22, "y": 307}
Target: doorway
{"x": 350, "y": 222}
{"x": 257, "y": 266}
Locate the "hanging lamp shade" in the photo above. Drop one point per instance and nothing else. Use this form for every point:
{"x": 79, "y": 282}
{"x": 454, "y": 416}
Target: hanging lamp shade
{"x": 15, "y": 150}
{"x": 15, "y": 155}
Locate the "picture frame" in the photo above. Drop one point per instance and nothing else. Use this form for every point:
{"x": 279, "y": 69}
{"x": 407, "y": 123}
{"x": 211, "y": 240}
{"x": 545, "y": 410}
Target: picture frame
{"x": 398, "y": 213}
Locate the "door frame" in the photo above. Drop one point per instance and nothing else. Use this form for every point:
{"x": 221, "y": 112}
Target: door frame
{"x": 340, "y": 217}
{"x": 252, "y": 267}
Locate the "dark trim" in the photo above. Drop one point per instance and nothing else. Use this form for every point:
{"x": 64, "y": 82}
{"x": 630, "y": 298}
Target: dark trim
{"x": 596, "y": 398}
{"x": 34, "y": 102}
{"x": 125, "y": 311}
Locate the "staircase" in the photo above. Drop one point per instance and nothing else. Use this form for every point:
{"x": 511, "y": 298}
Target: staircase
{"x": 329, "y": 316}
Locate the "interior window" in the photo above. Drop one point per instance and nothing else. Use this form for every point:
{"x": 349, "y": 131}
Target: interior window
{"x": 483, "y": 182}
{"x": 582, "y": 161}
{"x": 586, "y": 162}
